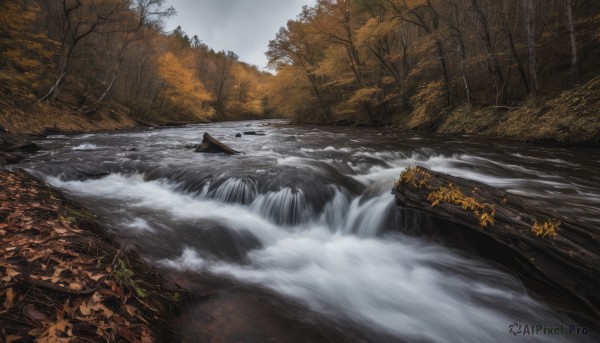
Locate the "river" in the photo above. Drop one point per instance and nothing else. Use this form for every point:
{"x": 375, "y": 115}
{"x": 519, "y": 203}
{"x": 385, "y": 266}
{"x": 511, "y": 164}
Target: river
{"x": 300, "y": 236}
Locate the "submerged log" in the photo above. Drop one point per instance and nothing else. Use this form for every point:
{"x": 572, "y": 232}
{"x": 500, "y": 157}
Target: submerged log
{"x": 210, "y": 144}
{"x": 553, "y": 255}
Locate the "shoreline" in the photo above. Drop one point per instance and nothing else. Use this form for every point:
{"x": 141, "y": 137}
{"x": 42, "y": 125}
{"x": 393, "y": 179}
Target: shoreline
{"x": 66, "y": 277}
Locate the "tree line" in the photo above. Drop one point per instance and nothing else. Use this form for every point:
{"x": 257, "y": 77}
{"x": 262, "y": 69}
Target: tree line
{"x": 93, "y": 55}
{"x": 374, "y": 60}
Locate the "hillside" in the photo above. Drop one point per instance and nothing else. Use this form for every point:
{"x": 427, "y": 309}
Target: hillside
{"x": 84, "y": 66}
{"x": 524, "y": 69}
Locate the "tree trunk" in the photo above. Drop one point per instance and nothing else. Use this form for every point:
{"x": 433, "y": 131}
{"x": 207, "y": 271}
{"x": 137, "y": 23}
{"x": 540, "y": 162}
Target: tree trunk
{"x": 212, "y": 145}
{"x": 563, "y": 266}
{"x": 98, "y": 103}
{"x": 531, "y": 51}
{"x": 491, "y": 56}
{"x": 515, "y": 54}
{"x": 574, "y": 74}
{"x": 60, "y": 79}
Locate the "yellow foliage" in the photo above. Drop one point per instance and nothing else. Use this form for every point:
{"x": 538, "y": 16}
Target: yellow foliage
{"x": 184, "y": 90}
{"x": 453, "y": 195}
{"x": 365, "y": 95}
{"x": 548, "y": 228}
{"x": 417, "y": 177}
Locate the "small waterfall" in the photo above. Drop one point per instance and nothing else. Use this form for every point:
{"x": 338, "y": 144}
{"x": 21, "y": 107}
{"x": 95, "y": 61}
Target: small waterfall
{"x": 285, "y": 207}
{"x": 238, "y": 191}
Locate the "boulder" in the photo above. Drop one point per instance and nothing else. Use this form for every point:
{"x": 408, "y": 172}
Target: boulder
{"x": 14, "y": 148}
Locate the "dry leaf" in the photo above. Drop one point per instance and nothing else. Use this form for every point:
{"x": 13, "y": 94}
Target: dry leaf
{"x": 75, "y": 286}
{"x": 96, "y": 277}
{"x": 57, "y": 271}
{"x": 131, "y": 310}
{"x": 105, "y": 310}
{"x": 12, "y": 338}
{"x": 85, "y": 309}
{"x": 10, "y": 297}
{"x": 12, "y": 272}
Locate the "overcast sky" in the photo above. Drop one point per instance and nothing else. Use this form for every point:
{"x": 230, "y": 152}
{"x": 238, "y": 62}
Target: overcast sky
{"x": 242, "y": 26}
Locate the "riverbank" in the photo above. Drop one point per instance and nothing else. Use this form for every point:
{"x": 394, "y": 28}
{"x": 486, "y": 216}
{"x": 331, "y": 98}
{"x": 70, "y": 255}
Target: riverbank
{"x": 66, "y": 279}
{"x": 571, "y": 117}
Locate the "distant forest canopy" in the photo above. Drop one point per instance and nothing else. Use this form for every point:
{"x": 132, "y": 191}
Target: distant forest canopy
{"x": 113, "y": 54}
{"x": 351, "y": 61}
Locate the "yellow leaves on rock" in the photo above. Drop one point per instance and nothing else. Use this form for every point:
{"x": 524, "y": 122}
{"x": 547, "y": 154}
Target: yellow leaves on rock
{"x": 416, "y": 177}
{"x": 451, "y": 194}
{"x": 547, "y": 229}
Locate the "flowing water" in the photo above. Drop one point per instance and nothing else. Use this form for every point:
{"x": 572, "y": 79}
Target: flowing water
{"x": 305, "y": 215}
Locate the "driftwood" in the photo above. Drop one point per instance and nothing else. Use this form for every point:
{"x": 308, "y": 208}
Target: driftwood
{"x": 210, "y": 144}
{"x": 554, "y": 256}
{"x": 253, "y": 133}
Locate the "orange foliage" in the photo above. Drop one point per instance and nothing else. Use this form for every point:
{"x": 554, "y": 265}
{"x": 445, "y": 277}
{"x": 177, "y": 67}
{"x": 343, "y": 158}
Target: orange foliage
{"x": 184, "y": 91}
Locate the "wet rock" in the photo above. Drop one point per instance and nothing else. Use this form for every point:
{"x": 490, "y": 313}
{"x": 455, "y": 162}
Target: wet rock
{"x": 238, "y": 135}
{"x": 212, "y": 145}
{"x": 14, "y": 148}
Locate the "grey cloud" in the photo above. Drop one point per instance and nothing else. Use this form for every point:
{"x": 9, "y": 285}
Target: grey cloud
{"x": 242, "y": 26}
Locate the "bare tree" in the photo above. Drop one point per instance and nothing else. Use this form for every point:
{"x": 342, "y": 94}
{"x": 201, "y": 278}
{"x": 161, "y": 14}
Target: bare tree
{"x": 78, "y": 21}
{"x": 531, "y": 51}
{"x": 574, "y": 60}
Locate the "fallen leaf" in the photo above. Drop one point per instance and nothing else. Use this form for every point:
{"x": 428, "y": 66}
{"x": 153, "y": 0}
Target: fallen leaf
{"x": 60, "y": 230}
{"x": 12, "y": 338}
{"x": 97, "y": 277}
{"x": 131, "y": 310}
{"x": 85, "y": 309}
{"x": 105, "y": 310}
{"x": 10, "y": 297}
{"x": 75, "y": 286}
{"x": 58, "y": 270}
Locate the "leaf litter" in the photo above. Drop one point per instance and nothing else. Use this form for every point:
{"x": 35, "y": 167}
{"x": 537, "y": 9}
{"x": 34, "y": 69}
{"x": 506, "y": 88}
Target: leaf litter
{"x": 64, "y": 279}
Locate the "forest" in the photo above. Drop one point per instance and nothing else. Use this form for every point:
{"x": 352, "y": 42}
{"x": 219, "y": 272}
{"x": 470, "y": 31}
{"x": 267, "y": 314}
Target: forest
{"x": 113, "y": 57}
{"x": 525, "y": 69}
{"x": 415, "y": 62}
